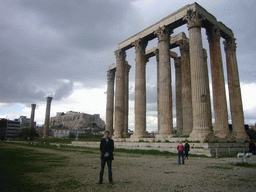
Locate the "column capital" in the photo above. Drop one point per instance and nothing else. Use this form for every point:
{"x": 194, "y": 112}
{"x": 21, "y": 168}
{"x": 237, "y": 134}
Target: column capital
{"x": 213, "y": 33}
{"x": 140, "y": 45}
{"x": 163, "y": 33}
{"x": 111, "y": 75}
{"x": 230, "y": 44}
{"x": 127, "y": 67}
{"x": 184, "y": 45}
{"x": 194, "y": 19}
{"x": 49, "y": 99}
{"x": 120, "y": 54}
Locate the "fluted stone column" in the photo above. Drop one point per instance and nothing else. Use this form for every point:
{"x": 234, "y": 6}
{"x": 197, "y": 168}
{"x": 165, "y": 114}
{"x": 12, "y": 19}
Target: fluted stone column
{"x": 140, "y": 90}
{"x": 32, "y": 116}
{"x": 208, "y": 98}
{"x": 120, "y": 94}
{"x": 157, "y": 69}
{"x": 221, "y": 127}
{"x": 126, "y": 109}
{"x": 178, "y": 86}
{"x": 165, "y": 90}
{"x": 47, "y": 117}
{"x": 186, "y": 88}
{"x": 200, "y": 94}
{"x": 110, "y": 100}
{"x": 236, "y": 106}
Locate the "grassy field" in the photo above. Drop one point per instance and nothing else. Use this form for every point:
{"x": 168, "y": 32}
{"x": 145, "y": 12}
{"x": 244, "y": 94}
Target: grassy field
{"x": 44, "y": 167}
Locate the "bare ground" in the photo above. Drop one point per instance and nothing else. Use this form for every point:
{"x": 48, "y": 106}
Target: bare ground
{"x": 134, "y": 172}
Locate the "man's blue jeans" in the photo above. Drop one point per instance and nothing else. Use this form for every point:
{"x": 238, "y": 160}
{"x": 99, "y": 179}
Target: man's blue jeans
{"x": 103, "y": 163}
{"x": 180, "y": 153}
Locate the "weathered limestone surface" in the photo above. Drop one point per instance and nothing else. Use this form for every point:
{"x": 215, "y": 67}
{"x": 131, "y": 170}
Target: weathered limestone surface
{"x": 195, "y": 99}
{"x": 236, "y": 106}
{"x": 186, "y": 87}
{"x": 200, "y": 93}
{"x": 126, "y": 106}
{"x": 120, "y": 93}
{"x": 110, "y": 100}
{"x": 177, "y": 63}
{"x": 221, "y": 127}
{"x": 47, "y": 117}
{"x": 33, "y": 107}
{"x": 175, "y": 20}
{"x": 140, "y": 89}
{"x": 165, "y": 90}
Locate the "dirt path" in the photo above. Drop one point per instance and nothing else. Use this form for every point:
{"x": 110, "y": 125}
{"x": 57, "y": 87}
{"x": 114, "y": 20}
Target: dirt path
{"x": 147, "y": 173}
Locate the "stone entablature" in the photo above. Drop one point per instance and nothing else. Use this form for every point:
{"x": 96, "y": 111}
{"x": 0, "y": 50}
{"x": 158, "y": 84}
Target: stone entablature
{"x": 76, "y": 120}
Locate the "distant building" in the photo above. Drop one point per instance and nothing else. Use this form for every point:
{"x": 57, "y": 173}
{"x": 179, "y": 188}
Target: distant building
{"x": 25, "y": 122}
{"x": 9, "y": 129}
{"x": 73, "y": 119}
{"x": 61, "y": 132}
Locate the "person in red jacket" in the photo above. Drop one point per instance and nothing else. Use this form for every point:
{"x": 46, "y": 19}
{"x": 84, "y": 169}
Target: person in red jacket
{"x": 180, "y": 149}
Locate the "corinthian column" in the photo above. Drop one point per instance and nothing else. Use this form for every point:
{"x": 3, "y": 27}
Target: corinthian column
{"x": 200, "y": 94}
{"x": 221, "y": 128}
{"x": 110, "y": 100}
{"x": 186, "y": 88}
{"x": 140, "y": 90}
{"x": 47, "y": 117}
{"x": 120, "y": 94}
{"x": 165, "y": 127}
{"x": 33, "y": 107}
{"x": 157, "y": 68}
{"x": 236, "y": 106}
{"x": 126, "y": 105}
{"x": 178, "y": 95}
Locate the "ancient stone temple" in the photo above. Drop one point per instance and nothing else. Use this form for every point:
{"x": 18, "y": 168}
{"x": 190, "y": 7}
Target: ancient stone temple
{"x": 72, "y": 119}
{"x": 193, "y": 104}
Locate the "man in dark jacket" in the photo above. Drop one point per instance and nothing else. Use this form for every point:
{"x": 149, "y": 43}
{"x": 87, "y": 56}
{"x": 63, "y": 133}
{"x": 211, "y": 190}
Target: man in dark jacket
{"x": 187, "y": 148}
{"x": 106, "y": 148}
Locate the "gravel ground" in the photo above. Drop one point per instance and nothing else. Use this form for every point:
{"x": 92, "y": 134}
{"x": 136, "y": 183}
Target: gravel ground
{"x": 134, "y": 172}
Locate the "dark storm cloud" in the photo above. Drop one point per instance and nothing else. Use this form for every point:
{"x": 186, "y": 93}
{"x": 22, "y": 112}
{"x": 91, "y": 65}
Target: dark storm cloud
{"x": 64, "y": 91}
{"x": 44, "y": 42}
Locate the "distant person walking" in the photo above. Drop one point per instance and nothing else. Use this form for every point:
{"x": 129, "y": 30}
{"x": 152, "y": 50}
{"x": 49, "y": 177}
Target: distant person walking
{"x": 106, "y": 148}
{"x": 187, "y": 149}
{"x": 180, "y": 149}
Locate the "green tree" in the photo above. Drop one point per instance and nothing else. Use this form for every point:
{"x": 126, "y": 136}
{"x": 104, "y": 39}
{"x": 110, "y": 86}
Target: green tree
{"x": 28, "y": 133}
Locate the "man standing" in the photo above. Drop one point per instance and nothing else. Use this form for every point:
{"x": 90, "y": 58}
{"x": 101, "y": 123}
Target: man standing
{"x": 106, "y": 148}
{"x": 187, "y": 148}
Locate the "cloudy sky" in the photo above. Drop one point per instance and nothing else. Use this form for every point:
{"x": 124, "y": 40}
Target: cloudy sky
{"x": 62, "y": 48}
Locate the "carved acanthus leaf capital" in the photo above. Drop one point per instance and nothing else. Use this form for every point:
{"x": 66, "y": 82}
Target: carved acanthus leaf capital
{"x": 194, "y": 19}
{"x": 111, "y": 75}
{"x": 140, "y": 45}
{"x": 120, "y": 54}
{"x": 213, "y": 33}
{"x": 163, "y": 33}
{"x": 127, "y": 67}
{"x": 230, "y": 44}
{"x": 184, "y": 45}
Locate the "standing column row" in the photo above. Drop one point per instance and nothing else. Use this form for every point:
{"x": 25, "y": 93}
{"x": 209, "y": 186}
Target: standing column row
{"x": 236, "y": 106}
{"x": 110, "y": 101}
{"x": 221, "y": 127}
